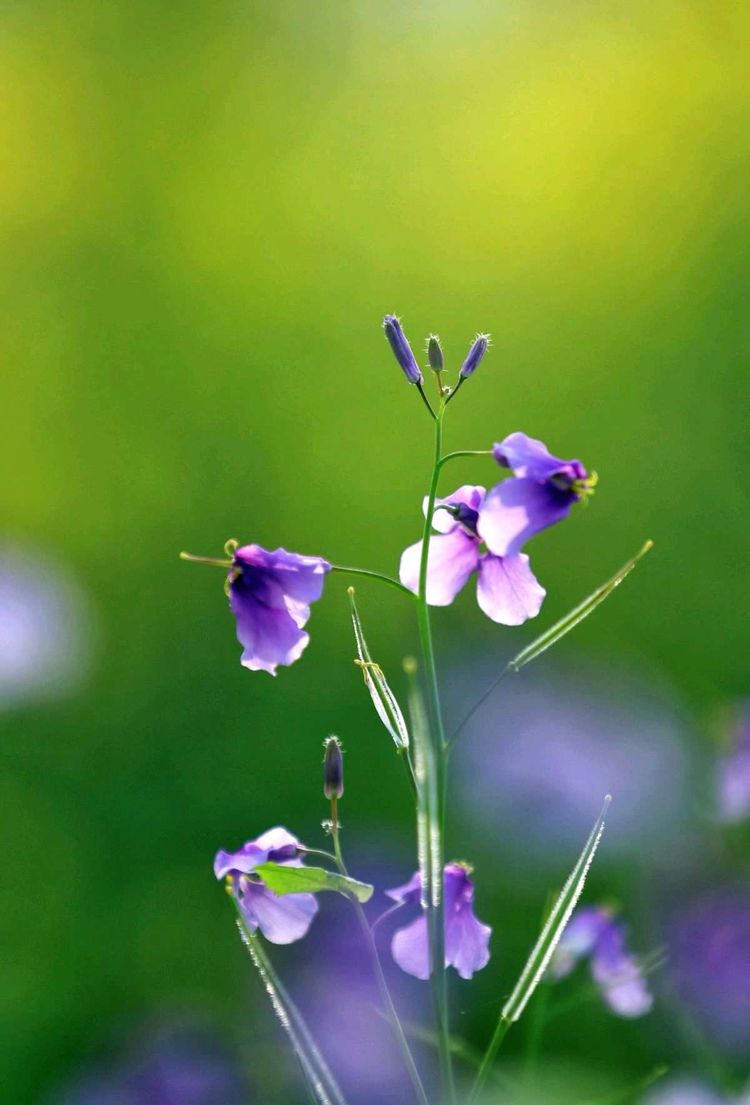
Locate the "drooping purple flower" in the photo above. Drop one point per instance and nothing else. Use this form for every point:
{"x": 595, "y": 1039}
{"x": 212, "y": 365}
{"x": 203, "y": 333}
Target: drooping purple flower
{"x": 594, "y": 933}
{"x": 282, "y": 918}
{"x": 507, "y": 590}
{"x": 473, "y": 357}
{"x": 733, "y": 774}
{"x": 401, "y": 349}
{"x": 466, "y": 938}
{"x": 540, "y": 493}
{"x": 270, "y": 595}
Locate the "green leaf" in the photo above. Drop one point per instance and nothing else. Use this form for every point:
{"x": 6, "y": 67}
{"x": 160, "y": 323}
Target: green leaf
{"x": 554, "y": 926}
{"x": 552, "y": 635}
{"x": 283, "y": 879}
{"x": 383, "y": 698}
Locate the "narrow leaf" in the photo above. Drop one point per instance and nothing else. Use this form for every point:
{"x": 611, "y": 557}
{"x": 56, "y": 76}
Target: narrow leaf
{"x": 552, "y": 635}
{"x": 382, "y": 696}
{"x": 283, "y": 879}
{"x": 554, "y": 926}
{"x": 425, "y": 779}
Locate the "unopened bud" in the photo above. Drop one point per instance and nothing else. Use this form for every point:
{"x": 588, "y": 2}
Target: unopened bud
{"x": 401, "y": 349}
{"x": 434, "y": 353}
{"x": 474, "y": 356}
{"x": 333, "y": 768}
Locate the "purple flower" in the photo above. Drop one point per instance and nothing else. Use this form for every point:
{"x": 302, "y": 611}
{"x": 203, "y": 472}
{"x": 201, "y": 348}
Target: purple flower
{"x": 733, "y": 781}
{"x": 708, "y": 937}
{"x": 594, "y": 934}
{"x": 281, "y": 918}
{"x": 541, "y": 492}
{"x": 507, "y": 590}
{"x": 270, "y": 595}
{"x": 466, "y": 938}
{"x": 401, "y": 349}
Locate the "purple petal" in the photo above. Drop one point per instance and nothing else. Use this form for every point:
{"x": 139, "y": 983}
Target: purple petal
{"x": 452, "y": 559}
{"x": 279, "y": 844}
{"x": 410, "y": 948}
{"x": 300, "y": 577}
{"x": 470, "y": 496}
{"x": 409, "y": 892}
{"x": 269, "y": 635}
{"x": 466, "y": 938}
{"x": 618, "y": 975}
{"x": 276, "y": 844}
{"x": 507, "y": 589}
{"x": 244, "y": 861}
{"x": 281, "y": 918}
{"x": 579, "y": 939}
{"x": 516, "y": 509}
{"x": 527, "y": 456}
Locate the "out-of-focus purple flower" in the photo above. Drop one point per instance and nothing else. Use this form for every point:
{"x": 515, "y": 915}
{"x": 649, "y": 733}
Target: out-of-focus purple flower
{"x": 708, "y": 937}
{"x": 401, "y": 349}
{"x": 541, "y": 492}
{"x": 688, "y": 1091}
{"x": 562, "y": 733}
{"x": 270, "y": 595}
{"x": 507, "y": 590}
{"x": 45, "y": 628}
{"x": 594, "y": 933}
{"x": 282, "y": 918}
{"x": 733, "y": 774}
{"x": 178, "y": 1065}
{"x": 466, "y": 938}
{"x": 474, "y": 356}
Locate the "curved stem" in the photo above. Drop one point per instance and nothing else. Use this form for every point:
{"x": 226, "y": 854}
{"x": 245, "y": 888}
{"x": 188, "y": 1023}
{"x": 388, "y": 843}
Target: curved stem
{"x": 374, "y": 575}
{"x": 464, "y": 453}
{"x": 436, "y": 912}
{"x": 385, "y": 994}
{"x": 425, "y": 400}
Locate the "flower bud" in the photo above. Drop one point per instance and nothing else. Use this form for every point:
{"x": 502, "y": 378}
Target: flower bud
{"x": 474, "y": 356}
{"x": 401, "y": 349}
{"x": 333, "y": 768}
{"x": 434, "y": 353}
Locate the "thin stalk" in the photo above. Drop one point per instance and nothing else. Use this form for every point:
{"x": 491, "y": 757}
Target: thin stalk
{"x": 425, "y": 400}
{"x": 374, "y": 575}
{"x": 436, "y": 907}
{"x": 385, "y": 994}
{"x": 489, "y": 1058}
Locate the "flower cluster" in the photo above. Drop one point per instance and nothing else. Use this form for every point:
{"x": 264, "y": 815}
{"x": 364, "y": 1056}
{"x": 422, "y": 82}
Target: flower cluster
{"x": 475, "y": 531}
{"x": 484, "y": 532}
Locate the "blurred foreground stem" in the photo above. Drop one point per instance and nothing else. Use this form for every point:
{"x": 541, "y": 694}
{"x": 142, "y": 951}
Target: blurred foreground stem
{"x": 436, "y": 907}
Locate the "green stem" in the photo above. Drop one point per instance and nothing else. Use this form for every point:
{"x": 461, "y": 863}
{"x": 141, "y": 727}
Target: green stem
{"x": 374, "y": 575}
{"x": 537, "y": 1024}
{"x": 385, "y": 995}
{"x": 464, "y": 453}
{"x": 436, "y": 907}
{"x": 489, "y": 1058}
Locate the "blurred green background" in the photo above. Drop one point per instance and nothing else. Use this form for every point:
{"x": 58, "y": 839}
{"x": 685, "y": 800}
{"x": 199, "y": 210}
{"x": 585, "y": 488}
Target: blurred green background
{"x": 206, "y": 209}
